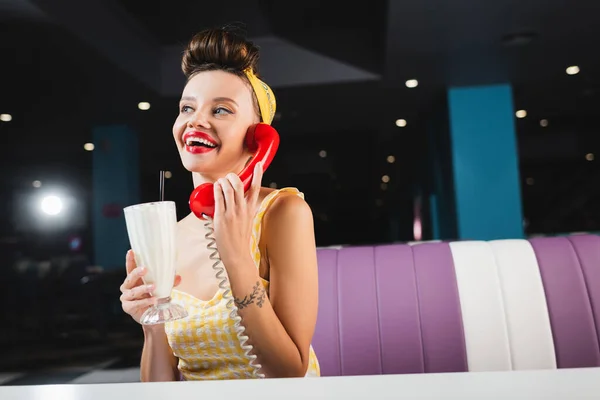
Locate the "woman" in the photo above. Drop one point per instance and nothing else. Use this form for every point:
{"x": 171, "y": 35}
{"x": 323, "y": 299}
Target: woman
{"x": 265, "y": 238}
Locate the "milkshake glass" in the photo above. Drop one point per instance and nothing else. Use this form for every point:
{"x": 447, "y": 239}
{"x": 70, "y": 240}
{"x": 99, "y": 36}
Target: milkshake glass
{"x": 151, "y": 228}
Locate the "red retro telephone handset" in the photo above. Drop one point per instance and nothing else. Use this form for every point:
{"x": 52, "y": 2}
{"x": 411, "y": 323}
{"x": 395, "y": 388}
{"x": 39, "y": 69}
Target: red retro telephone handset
{"x": 263, "y": 140}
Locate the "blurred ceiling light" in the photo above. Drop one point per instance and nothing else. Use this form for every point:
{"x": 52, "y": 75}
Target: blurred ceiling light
{"x": 573, "y": 70}
{"x": 521, "y": 114}
{"x": 412, "y": 83}
{"x": 589, "y": 156}
{"x": 544, "y": 123}
{"x": 168, "y": 175}
{"x": 89, "y": 146}
{"x": 385, "y": 179}
{"x": 37, "y": 184}
{"x": 52, "y": 205}
{"x": 322, "y": 154}
{"x": 5, "y": 117}
{"x": 401, "y": 123}
{"x": 144, "y": 105}
{"x": 391, "y": 159}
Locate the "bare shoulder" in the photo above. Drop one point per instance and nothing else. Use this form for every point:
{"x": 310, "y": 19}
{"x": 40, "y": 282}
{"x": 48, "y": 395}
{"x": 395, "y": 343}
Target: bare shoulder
{"x": 290, "y": 239}
{"x": 288, "y": 210}
{"x": 264, "y": 192}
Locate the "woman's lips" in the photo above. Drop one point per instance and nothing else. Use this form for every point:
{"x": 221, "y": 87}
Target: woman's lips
{"x": 198, "y": 149}
{"x": 198, "y": 142}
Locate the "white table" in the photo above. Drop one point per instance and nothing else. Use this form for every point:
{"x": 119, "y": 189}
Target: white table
{"x": 551, "y": 384}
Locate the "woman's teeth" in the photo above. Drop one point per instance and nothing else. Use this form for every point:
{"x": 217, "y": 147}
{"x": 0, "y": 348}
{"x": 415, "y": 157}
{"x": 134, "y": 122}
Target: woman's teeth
{"x": 199, "y": 142}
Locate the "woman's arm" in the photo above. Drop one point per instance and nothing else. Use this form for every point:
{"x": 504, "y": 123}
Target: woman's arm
{"x": 281, "y": 326}
{"x": 158, "y": 362}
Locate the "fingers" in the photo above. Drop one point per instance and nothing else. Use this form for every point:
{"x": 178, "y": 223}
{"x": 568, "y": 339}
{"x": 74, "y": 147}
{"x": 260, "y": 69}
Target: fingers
{"x": 137, "y": 298}
{"x": 238, "y": 188}
{"x": 256, "y": 183}
{"x": 135, "y": 306}
{"x": 130, "y": 261}
{"x": 228, "y": 193}
{"x": 137, "y": 293}
{"x": 219, "y": 200}
{"x": 133, "y": 279}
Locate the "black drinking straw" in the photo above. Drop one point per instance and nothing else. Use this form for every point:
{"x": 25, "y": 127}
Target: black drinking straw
{"x": 162, "y": 185}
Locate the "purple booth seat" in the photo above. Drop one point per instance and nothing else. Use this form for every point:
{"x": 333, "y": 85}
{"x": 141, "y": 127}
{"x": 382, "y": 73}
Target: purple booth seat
{"x": 388, "y": 309}
{"x": 397, "y": 308}
{"x": 569, "y": 305}
{"x": 587, "y": 249}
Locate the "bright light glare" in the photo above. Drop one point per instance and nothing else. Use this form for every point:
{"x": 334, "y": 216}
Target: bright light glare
{"x": 144, "y": 105}
{"x": 89, "y": 146}
{"x": 5, "y": 117}
{"x": 521, "y": 114}
{"x": 573, "y": 70}
{"x": 52, "y": 205}
{"x": 401, "y": 123}
{"x": 412, "y": 83}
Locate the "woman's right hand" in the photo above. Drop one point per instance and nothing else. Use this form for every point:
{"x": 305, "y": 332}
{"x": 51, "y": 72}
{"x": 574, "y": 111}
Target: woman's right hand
{"x": 136, "y": 297}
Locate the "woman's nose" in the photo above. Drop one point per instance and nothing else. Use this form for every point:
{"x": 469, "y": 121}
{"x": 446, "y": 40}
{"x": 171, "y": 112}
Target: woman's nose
{"x": 198, "y": 119}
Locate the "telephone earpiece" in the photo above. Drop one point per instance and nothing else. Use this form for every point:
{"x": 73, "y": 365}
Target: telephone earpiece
{"x": 263, "y": 140}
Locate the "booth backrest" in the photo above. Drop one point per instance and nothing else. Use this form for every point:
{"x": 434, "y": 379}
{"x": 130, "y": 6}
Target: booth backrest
{"x": 459, "y": 306}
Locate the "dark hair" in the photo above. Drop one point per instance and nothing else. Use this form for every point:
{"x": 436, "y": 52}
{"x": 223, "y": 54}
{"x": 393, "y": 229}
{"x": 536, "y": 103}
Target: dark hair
{"x": 219, "y": 49}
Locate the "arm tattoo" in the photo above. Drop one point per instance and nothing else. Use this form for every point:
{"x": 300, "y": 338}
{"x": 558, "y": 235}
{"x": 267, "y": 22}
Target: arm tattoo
{"x": 258, "y": 295}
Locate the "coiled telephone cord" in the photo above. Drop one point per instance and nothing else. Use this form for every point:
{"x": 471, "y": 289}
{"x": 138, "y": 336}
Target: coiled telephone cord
{"x": 226, "y": 287}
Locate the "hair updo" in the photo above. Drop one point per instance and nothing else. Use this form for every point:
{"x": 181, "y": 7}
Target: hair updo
{"x": 219, "y": 49}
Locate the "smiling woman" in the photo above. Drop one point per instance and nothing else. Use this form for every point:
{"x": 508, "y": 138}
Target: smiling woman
{"x": 265, "y": 237}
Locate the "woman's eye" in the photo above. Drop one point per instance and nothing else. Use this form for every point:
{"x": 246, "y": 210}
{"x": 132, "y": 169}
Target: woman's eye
{"x": 221, "y": 110}
{"x": 186, "y": 109}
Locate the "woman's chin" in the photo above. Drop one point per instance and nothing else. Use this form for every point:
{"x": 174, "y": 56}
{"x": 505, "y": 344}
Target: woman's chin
{"x": 197, "y": 168}
{"x": 193, "y": 164}
{"x": 209, "y": 168}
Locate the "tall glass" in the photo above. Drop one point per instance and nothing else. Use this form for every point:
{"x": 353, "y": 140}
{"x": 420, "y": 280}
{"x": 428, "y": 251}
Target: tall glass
{"x": 151, "y": 228}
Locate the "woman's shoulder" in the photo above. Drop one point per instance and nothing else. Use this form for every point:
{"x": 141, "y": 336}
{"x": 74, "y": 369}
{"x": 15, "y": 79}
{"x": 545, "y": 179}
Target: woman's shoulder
{"x": 277, "y": 199}
{"x": 285, "y": 206}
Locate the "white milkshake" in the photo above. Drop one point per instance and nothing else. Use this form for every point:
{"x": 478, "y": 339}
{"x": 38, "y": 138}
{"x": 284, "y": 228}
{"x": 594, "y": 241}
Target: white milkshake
{"x": 152, "y": 229}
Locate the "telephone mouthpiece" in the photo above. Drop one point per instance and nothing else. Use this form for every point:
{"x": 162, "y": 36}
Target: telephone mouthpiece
{"x": 202, "y": 201}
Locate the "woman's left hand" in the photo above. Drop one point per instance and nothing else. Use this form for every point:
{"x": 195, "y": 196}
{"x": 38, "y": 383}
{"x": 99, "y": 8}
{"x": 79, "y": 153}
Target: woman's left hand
{"x": 234, "y": 215}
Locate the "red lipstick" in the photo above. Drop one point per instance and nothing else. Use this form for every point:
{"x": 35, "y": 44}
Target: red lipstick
{"x": 198, "y": 142}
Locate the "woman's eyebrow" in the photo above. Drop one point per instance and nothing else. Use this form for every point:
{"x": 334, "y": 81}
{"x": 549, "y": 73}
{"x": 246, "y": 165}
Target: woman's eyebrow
{"x": 216, "y": 99}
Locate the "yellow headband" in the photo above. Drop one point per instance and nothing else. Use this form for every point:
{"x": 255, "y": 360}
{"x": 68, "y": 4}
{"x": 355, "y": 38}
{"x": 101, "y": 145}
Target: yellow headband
{"x": 265, "y": 96}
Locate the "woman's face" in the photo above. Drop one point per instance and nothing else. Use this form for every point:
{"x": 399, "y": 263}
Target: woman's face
{"x": 215, "y": 111}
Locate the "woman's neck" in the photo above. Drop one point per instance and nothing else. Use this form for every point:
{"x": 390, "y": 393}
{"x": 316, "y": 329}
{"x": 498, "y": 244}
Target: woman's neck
{"x": 199, "y": 178}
